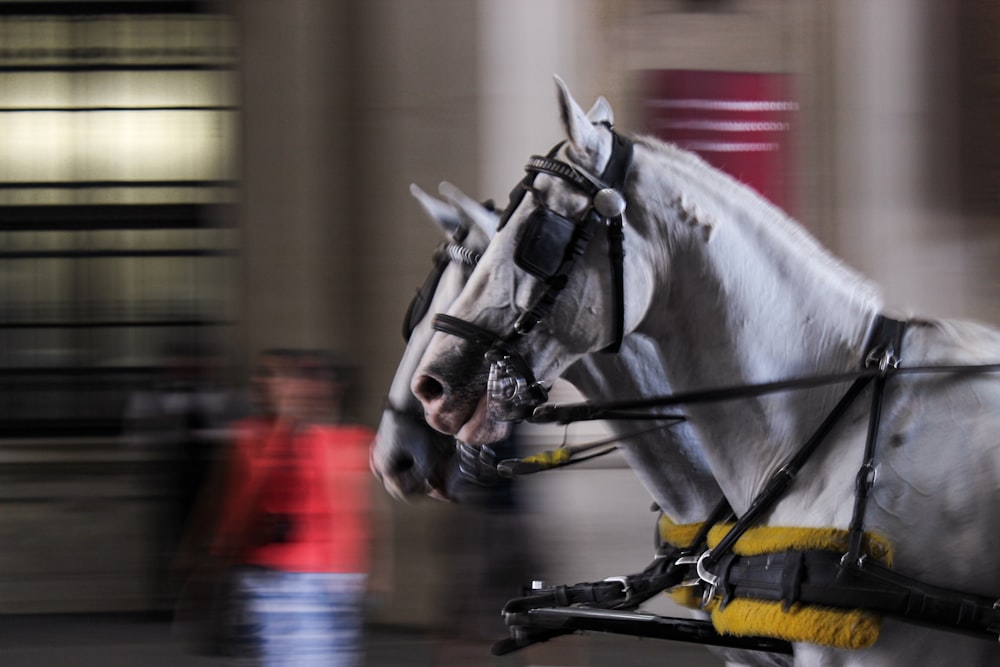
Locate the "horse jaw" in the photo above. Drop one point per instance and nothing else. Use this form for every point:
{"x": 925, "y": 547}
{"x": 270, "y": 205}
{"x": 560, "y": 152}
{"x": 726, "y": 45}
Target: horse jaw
{"x": 483, "y": 427}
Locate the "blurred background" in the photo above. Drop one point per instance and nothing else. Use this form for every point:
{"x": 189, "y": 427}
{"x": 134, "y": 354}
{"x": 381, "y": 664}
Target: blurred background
{"x": 184, "y": 183}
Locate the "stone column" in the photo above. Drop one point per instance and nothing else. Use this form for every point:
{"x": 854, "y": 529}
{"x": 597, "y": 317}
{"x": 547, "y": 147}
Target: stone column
{"x": 297, "y": 230}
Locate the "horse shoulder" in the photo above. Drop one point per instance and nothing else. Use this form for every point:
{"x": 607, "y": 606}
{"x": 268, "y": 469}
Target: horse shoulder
{"x": 937, "y": 481}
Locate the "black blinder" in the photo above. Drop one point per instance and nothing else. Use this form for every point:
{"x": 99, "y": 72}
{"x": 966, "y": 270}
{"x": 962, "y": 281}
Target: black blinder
{"x": 421, "y": 302}
{"x": 544, "y": 242}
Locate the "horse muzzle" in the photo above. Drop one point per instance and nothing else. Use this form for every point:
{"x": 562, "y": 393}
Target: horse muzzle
{"x": 512, "y": 391}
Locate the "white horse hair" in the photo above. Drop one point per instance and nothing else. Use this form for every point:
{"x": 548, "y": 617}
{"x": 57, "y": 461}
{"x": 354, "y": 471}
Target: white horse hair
{"x": 722, "y": 289}
{"x": 410, "y": 458}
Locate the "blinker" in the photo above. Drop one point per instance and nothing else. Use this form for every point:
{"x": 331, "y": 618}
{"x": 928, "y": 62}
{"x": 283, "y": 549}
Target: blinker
{"x": 544, "y": 243}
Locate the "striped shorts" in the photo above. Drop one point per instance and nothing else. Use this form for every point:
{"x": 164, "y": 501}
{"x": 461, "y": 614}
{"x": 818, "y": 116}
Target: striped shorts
{"x": 296, "y": 619}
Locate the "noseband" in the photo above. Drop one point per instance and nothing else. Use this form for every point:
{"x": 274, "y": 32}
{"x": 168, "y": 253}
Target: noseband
{"x": 549, "y": 246}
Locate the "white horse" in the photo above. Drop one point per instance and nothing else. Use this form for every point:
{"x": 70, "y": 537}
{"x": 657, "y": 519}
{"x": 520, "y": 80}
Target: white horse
{"x": 723, "y": 289}
{"x": 410, "y": 458}
{"x": 407, "y": 455}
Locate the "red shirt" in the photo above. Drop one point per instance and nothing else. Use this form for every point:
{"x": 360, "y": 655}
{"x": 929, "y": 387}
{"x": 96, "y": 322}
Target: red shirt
{"x": 298, "y": 500}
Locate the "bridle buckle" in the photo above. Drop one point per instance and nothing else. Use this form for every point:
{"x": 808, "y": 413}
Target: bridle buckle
{"x": 511, "y": 394}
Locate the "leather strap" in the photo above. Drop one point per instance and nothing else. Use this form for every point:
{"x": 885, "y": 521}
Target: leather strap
{"x": 817, "y": 578}
{"x": 884, "y": 353}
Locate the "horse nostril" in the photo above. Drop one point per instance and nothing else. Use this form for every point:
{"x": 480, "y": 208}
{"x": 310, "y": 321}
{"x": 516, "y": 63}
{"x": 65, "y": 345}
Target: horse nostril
{"x": 401, "y": 463}
{"x": 428, "y": 389}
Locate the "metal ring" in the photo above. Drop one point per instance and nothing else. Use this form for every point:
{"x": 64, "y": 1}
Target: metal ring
{"x": 703, "y": 573}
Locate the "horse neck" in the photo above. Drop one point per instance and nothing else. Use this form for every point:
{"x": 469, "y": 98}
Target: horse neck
{"x": 750, "y": 297}
{"x": 666, "y": 461}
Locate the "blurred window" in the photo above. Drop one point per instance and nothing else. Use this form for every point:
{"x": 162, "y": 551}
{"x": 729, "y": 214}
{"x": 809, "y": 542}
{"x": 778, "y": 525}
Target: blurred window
{"x": 118, "y": 176}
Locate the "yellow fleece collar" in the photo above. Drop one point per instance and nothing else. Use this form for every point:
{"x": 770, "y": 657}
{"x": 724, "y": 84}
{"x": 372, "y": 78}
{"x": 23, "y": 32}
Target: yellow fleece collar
{"x": 827, "y": 626}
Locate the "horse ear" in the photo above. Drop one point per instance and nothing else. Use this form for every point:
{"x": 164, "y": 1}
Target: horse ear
{"x": 469, "y": 208}
{"x": 442, "y": 213}
{"x": 587, "y": 143}
{"x": 601, "y": 112}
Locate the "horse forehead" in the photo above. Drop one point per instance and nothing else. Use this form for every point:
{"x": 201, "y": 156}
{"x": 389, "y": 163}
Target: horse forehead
{"x": 557, "y": 194}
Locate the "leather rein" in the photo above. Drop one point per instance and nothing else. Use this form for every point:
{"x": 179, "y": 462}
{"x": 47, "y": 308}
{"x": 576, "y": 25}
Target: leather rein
{"x": 852, "y": 579}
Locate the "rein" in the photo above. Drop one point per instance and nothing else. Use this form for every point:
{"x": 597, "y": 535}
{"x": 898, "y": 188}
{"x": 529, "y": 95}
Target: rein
{"x": 568, "y": 413}
{"x": 479, "y": 463}
{"x": 851, "y": 580}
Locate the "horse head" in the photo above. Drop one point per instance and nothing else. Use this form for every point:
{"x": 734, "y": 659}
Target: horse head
{"x": 541, "y": 296}
{"x": 407, "y": 455}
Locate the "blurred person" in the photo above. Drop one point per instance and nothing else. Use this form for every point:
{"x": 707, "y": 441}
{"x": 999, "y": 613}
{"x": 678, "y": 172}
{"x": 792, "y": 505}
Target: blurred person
{"x": 294, "y": 520}
{"x": 203, "y": 600}
{"x": 180, "y": 423}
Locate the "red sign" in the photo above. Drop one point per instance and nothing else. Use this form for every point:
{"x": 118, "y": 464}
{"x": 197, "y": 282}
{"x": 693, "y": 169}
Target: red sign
{"x": 741, "y": 123}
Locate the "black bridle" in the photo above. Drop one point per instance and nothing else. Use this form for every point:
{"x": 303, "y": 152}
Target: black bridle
{"x": 548, "y": 249}
{"x": 446, "y": 253}
{"x": 847, "y": 580}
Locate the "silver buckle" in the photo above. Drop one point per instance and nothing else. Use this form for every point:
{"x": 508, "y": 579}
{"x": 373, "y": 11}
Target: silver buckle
{"x": 885, "y": 358}
{"x": 688, "y": 560}
{"x": 710, "y": 580}
{"x": 624, "y": 582}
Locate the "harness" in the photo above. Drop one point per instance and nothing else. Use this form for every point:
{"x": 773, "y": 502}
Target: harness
{"x": 849, "y": 579}
{"x": 446, "y": 253}
{"x": 548, "y": 249}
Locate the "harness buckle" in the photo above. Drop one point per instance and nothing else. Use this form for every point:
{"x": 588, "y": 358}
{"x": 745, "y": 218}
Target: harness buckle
{"x": 626, "y": 589}
{"x": 692, "y": 581}
{"x": 687, "y": 560}
{"x": 609, "y": 203}
{"x": 885, "y": 358}
{"x": 710, "y": 580}
{"x": 512, "y": 395}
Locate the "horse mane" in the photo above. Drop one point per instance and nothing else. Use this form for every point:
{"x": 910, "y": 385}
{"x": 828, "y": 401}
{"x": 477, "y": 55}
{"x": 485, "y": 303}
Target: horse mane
{"x": 760, "y": 211}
